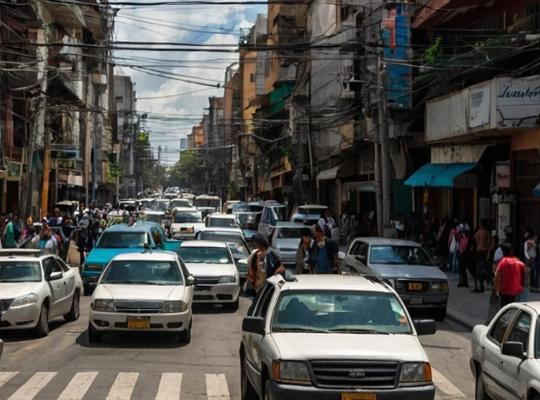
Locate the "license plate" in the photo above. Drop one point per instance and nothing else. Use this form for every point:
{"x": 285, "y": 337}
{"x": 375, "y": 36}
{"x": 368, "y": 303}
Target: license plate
{"x": 358, "y": 396}
{"x": 138, "y": 323}
{"x": 416, "y": 300}
{"x": 415, "y": 286}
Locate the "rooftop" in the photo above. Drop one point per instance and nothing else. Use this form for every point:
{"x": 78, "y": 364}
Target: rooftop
{"x": 334, "y": 282}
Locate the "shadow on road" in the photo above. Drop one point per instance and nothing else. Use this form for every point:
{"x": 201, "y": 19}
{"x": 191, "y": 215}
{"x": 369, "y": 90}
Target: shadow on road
{"x": 24, "y": 335}
{"x": 211, "y": 309}
{"x": 132, "y": 340}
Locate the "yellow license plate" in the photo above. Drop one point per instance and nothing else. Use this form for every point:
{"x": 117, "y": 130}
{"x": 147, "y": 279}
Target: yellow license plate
{"x": 415, "y": 286}
{"x": 138, "y": 323}
{"x": 358, "y": 396}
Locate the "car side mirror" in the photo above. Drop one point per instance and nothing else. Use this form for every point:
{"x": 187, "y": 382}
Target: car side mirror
{"x": 253, "y": 325}
{"x": 513, "y": 349}
{"x": 190, "y": 281}
{"x": 54, "y": 276}
{"x": 425, "y": 327}
{"x": 341, "y": 255}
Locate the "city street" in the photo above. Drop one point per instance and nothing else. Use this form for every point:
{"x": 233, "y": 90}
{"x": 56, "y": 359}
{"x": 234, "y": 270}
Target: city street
{"x": 64, "y": 366}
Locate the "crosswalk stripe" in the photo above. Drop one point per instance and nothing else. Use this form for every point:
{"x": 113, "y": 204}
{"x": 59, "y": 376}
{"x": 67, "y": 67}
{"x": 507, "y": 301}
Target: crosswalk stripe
{"x": 33, "y": 386}
{"x": 6, "y": 376}
{"x": 78, "y": 386}
{"x": 445, "y": 386}
{"x": 170, "y": 386}
{"x": 123, "y": 386}
{"x": 216, "y": 387}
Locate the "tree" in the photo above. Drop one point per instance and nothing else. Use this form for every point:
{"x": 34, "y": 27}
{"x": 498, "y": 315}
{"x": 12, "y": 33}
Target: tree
{"x": 189, "y": 171}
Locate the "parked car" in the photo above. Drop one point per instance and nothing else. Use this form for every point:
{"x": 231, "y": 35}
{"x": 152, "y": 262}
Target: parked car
{"x": 216, "y": 276}
{"x": 286, "y": 239}
{"x": 333, "y": 337}
{"x": 123, "y": 238}
{"x": 236, "y": 242}
{"x": 150, "y": 291}
{"x": 505, "y": 354}
{"x": 221, "y": 221}
{"x": 406, "y": 266}
{"x": 308, "y": 214}
{"x": 271, "y": 214}
{"x": 186, "y": 223}
{"x": 35, "y": 289}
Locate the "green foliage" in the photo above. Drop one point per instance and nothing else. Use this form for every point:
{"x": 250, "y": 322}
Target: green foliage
{"x": 189, "y": 171}
{"x": 433, "y": 52}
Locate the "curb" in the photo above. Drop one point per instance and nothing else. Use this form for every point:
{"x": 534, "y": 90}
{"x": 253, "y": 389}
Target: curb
{"x": 458, "y": 318}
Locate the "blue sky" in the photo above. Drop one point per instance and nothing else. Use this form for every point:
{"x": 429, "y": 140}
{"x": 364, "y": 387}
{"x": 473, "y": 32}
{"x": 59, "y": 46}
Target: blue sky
{"x": 200, "y": 24}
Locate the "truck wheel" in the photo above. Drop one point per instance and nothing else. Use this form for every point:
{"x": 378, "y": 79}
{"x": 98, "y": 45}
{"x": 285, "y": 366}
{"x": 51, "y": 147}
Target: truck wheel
{"x": 42, "y": 327}
{"x": 73, "y": 314}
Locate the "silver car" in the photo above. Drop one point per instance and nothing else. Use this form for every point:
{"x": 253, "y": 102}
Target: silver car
{"x": 406, "y": 266}
{"x": 286, "y": 239}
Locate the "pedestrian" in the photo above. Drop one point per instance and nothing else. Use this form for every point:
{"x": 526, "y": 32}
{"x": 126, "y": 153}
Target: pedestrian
{"x": 442, "y": 241}
{"x": 463, "y": 248}
{"x": 302, "y": 254}
{"x": 510, "y": 276}
{"x": 8, "y": 233}
{"x": 492, "y": 264}
{"x": 530, "y": 254}
{"x": 267, "y": 262}
{"x": 453, "y": 247}
{"x": 324, "y": 254}
{"x": 327, "y": 223}
{"x": 482, "y": 238}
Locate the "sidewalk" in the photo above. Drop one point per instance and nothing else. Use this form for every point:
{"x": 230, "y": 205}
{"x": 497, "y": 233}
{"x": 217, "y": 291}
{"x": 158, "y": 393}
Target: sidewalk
{"x": 470, "y": 309}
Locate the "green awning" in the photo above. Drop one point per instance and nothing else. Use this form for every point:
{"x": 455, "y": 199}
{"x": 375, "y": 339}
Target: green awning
{"x": 439, "y": 175}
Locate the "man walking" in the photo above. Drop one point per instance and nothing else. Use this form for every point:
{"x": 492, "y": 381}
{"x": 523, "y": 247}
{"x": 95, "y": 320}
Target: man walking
{"x": 324, "y": 254}
{"x": 482, "y": 237}
{"x": 302, "y": 254}
{"x": 510, "y": 276}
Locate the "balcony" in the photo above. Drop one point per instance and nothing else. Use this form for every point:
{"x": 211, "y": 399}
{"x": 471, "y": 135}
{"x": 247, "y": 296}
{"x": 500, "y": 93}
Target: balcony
{"x": 14, "y": 153}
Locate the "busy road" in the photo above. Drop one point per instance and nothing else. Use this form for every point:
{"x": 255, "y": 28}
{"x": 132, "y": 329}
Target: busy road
{"x": 64, "y": 365}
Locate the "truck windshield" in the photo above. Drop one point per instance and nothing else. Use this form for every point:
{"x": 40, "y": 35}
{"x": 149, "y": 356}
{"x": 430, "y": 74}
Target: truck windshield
{"x": 340, "y": 312}
{"x": 122, "y": 240}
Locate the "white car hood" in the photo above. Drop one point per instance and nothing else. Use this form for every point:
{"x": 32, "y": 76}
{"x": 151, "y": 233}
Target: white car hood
{"x": 201, "y": 269}
{"x": 408, "y": 271}
{"x": 319, "y": 346}
{"x": 12, "y": 290}
{"x": 138, "y": 292}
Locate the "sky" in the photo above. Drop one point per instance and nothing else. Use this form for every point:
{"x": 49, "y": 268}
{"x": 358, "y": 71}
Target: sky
{"x": 157, "y": 95}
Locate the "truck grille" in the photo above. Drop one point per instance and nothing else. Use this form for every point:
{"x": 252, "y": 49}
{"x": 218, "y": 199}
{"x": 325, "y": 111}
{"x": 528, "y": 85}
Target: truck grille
{"x": 138, "y": 307}
{"x": 206, "y": 280}
{"x": 355, "y": 374}
{"x": 4, "y": 305}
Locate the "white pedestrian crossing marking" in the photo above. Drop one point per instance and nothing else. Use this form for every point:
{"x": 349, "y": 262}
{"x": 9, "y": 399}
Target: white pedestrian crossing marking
{"x": 6, "y": 376}
{"x": 170, "y": 386}
{"x": 78, "y": 386}
{"x": 123, "y": 386}
{"x": 33, "y": 386}
{"x": 216, "y": 387}
{"x": 445, "y": 386}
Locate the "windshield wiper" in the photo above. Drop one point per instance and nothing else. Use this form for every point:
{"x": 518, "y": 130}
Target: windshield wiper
{"x": 358, "y": 330}
{"x": 311, "y": 330}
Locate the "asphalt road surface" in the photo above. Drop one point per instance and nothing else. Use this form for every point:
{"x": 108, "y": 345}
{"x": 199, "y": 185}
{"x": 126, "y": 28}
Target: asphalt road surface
{"x": 151, "y": 366}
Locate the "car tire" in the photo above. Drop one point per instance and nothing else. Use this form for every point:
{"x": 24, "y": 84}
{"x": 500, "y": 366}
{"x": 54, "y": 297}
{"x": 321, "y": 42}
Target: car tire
{"x": 185, "y": 336}
{"x": 248, "y": 392}
{"x": 439, "y": 314}
{"x": 480, "y": 391}
{"x": 232, "y": 306}
{"x": 74, "y": 312}
{"x": 42, "y": 327}
{"x": 94, "y": 336}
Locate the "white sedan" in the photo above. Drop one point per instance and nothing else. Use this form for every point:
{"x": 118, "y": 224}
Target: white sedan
{"x": 35, "y": 288}
{"x": 505, "y": 354}
{"x": 150, "y": 291}
{"x": 216, "y": 276}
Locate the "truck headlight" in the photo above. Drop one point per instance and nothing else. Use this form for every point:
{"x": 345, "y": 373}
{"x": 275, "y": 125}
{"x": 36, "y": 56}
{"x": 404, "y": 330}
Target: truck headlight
{"x": 173, "y": 307}
{"x": 25, "y": 300}
{"x": 103, "y": 305}
{"x": 227, "y": 279}
{"x": 294, "y": 372}
{"x": 414, "y": 374}
{"x": 439, "y": 286}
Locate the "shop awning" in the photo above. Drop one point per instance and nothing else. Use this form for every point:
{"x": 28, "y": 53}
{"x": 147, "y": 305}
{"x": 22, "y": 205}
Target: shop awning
{"x": 536, "y": 191}
{"x": 438, "y": 175}
{"x": 329, "y": 174}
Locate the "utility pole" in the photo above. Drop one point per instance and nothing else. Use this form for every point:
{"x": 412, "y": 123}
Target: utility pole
{"x": 97, "y": 95}
{"x": 381, "y": 149}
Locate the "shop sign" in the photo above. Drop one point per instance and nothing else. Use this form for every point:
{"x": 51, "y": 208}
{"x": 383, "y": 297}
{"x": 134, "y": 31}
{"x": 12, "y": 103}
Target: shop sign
{"x": 518, "y": 101}
{"x": 503, "y": 198}
{"x": 502, "y": 176}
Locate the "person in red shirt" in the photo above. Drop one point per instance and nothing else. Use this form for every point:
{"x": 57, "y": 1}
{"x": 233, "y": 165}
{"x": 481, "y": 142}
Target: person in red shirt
{"x": 510, "y": 276}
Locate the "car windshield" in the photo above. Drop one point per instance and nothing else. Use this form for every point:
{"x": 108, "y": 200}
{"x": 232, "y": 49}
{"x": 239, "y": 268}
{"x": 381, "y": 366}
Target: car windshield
{"x": 289, "y": 233}
{"x": 208, "y": 255}
{"x": 20, "y": 271}
{"x": 141, "y": 272}
{"x": 240, "y": 207}
{"x": 161, "y": 206}
{"x": 340, "y": 312}
{"x": 399, "y": 255}
{"x": 247, "y": 220}
{"x": 153, "y": 218}
{"x": 280, "y": 213}
{"x": 311, "y": 211}
{"x": 183, "y": 217}
{"x": 221, "y": 222}
{"x": 122, "y": 240}
{"x": 180, "y": 203}
{"x": 235, "y": 242}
